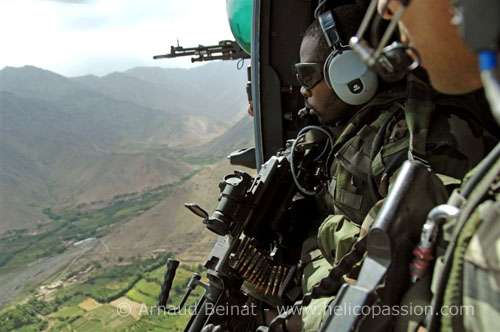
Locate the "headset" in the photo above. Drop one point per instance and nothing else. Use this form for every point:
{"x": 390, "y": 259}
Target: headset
{"x": 345, "y": 73}
{"x": 391, "y": 62}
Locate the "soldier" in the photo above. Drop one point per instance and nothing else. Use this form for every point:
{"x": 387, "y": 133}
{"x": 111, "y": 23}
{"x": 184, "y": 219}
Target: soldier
{"x": 468, "y": 276}
{"x": 374, "y": 136}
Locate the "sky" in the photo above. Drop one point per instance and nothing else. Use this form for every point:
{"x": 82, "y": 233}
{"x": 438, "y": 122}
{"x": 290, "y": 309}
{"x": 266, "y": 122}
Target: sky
{"x": 80, "y": 37}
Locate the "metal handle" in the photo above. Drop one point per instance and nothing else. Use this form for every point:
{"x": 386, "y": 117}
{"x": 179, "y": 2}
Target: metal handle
{"x": 172, "y": 266}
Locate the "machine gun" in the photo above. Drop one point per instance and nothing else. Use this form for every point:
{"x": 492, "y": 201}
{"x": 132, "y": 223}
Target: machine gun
{"x": 386, "y": 271}
{"x": 225, "y": 50}
{"x": 259, "y": 223}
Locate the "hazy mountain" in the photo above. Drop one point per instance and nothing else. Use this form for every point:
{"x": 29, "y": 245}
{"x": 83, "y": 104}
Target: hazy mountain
{"x": 123, "y": 87}
{"x": 66, "y": 141}
{"x": 36, "y": 83}
{"x": 216, "y": 90}
{"x": 68, "y": 152}
{"x": 206, "y": 82}
{"x": 238, "y": 136}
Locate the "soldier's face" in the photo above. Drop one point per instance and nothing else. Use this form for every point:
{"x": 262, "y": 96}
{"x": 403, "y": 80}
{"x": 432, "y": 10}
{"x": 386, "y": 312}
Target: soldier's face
{"x": 322, "y": 101}
{"x": 426, "y": 25}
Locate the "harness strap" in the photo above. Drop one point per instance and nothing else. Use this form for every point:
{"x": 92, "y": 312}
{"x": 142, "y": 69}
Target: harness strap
{"x": 418, "y": 110}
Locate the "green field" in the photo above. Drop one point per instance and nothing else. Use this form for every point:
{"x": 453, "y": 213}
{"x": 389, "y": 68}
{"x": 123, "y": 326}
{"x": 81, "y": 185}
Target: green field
{"x": 61, "y": 327}
{"x": 162, "y": 323}
{"x": 30, "y": 328}
{"x": 156, "y": 275}
{"x": 137, "y": 296}
{"x": 104, "y": 318}
{"x": 148, "y": 288}
{"x": 68, "y": 312}
{"x": 139, "y": 282}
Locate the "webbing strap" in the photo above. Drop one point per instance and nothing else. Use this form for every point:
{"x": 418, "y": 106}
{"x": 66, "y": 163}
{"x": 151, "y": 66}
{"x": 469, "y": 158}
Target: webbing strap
{"x": 325, "y": 286}
{"x": 419, "y": 108}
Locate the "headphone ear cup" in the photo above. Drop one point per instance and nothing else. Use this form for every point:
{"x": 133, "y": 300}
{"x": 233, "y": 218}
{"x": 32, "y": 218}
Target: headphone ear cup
{"x": 348, "y": 76}
{"x": 326, "y": 68}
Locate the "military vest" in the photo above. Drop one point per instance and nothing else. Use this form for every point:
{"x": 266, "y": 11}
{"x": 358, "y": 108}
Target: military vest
{"x": 471, "y": 299}
{"x": 409, "y": 121}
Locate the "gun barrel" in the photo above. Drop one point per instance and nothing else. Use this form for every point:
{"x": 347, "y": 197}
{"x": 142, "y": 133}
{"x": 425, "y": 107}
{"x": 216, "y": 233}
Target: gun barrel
{"x": 225, "y": 50}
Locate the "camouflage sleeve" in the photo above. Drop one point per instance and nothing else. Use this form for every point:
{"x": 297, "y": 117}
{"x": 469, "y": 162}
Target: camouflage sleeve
{"x": 313, "y": 314}
{"x": 315, "y": 267}
{"x": 336, "y": 236}
{"x": 456, "y": 143}
{"x": 481, "y": 283}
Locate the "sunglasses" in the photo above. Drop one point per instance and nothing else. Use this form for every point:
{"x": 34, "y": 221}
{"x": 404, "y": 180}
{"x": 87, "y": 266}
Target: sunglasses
{"x": 309, "y": 74}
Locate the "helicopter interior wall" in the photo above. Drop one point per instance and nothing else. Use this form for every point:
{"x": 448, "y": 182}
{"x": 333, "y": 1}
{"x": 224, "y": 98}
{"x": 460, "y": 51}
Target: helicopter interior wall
{"x": 282, "y": 24}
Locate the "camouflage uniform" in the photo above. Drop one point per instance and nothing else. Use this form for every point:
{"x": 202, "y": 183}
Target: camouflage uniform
{"x": 411, "y": 121}
{"x": 481, "y": 285}
{"x": 473, "y": 283}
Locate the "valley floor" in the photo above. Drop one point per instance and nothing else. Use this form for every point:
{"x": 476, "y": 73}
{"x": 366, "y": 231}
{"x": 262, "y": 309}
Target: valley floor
{"x": 116, "y": 299}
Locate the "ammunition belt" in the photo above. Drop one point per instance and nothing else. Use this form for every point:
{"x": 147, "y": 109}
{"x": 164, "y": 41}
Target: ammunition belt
{"x": 255, "y": 267}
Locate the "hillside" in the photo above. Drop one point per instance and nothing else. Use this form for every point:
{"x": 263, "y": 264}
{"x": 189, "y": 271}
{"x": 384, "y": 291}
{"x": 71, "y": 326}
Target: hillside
{"x": 169, "y": 225}
{"x": 238, "y": 136}
{"x": 130, "y": 226}
{"x": 62, "y": 152}
{"x": 70, "y": 141}
{"x": 97, "y": 169}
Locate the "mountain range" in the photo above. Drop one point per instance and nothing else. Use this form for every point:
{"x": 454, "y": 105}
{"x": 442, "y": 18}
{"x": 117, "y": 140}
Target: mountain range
{"x": 66, "y": 141}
